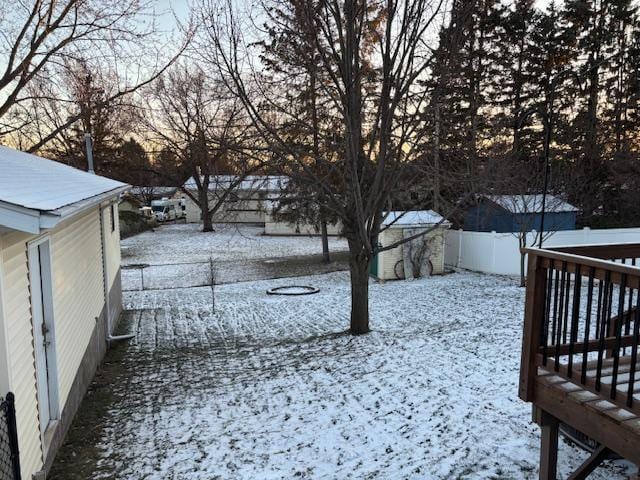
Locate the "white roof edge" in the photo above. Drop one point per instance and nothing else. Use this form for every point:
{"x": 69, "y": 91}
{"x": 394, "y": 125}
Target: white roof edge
{"x": 444, "y": 223}
{"x": 512, "y": 203}
{"x": 19, "y": 218}
{"x": 76, "y": 207}
{"x": 249, "y": 182}
{"x": 414, "y": 219}
{"x": 34, "y": 221}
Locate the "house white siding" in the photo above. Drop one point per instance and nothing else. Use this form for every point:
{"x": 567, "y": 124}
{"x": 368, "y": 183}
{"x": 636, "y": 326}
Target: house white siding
{"x": 242, "y": 211}
{"x": 22, "y": 379}
{"x": 239, "y": 216}
{"x": 78, "y": 300}
{"x": 275, "y": 227}
{"x": 78, "y": 292}
{"x": 192, "y": 211}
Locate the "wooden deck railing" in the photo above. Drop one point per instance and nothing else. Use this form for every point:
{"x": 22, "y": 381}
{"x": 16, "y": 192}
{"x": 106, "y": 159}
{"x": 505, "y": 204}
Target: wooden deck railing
{"x": 582, "y": 320}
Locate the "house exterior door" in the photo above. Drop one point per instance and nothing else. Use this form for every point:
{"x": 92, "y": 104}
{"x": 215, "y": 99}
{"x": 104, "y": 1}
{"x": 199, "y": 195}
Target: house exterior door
{"x": 43, "y": 330}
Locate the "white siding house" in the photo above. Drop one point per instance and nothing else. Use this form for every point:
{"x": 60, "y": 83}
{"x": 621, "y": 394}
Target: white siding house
{"x": 275, "y": 226}
{"x": 60, "y": 295}
{"x": 245, "y": 204}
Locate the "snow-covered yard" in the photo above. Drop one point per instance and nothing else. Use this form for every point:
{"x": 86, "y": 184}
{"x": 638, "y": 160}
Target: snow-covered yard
{"x": 180, "y": 243}
{"x": 271, "y": 386}
{"x": 178, "y": 256}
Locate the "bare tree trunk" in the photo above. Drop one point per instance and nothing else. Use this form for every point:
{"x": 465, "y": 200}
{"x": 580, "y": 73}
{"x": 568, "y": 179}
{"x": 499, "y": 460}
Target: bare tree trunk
{"x": 326, "y": 257}
{"x": 359, "y": 267}
{"x": 316, "y": 152}
{"x": 207, "y": 223}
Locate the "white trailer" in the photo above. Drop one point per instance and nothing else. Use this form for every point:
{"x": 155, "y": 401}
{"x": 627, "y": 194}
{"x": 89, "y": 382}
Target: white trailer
{"x": 167, "y": 209}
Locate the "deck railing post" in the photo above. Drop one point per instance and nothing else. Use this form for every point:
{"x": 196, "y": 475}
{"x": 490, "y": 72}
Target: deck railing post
{"x": 533, "y": 325}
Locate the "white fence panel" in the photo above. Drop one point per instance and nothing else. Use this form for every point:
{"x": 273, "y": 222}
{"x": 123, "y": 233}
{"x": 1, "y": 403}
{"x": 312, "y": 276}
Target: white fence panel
{"x": 499, "y": 253}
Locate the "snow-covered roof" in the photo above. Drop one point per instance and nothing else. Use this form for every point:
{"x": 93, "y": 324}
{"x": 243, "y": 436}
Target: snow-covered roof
{"x": 413, "y": 218}
{"x": 264, "y": 183}
{"x": 36, "y": 193}
{"x": 531, "y": 203}
{"x": 152, "y": 190}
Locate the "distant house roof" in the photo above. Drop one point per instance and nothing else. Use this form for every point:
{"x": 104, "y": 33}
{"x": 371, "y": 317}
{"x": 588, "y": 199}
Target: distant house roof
{"x": 152, "y": 190}
{"x": 413, "y": 219}
{"x": 531, "y": 203}
{"x": 132, "y": 199}
{"x": 264, "y": 183}
{"x": 36, "y": 193}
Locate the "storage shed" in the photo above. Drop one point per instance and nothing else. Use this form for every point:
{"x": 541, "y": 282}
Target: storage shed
{"x": 519, "y": 213}
{"x": 418, "y": 257}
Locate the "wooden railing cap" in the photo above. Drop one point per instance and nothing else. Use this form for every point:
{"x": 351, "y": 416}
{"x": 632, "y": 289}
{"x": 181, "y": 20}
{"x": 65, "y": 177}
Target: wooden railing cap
{"x": 584, "y": 260}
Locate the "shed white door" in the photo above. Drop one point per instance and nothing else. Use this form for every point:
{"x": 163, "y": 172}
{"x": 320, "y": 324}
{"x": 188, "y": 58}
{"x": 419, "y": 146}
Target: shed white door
{"x": 43, "y": 330}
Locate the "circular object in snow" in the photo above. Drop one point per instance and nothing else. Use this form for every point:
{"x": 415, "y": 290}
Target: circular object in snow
{"x": 293, "y": 290}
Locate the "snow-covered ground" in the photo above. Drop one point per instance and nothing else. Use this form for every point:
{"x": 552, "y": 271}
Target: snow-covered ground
{"x": 270, "y": 387}
{"x": 179, "y": 255}
{"x": 180, "y": 243}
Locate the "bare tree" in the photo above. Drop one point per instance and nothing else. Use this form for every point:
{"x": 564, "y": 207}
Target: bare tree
{"x": 373, "y": 55}
{"x": 526, "y": 211}
{"x": 419, "y": 252}
{"x": 194, "y": 118}
{"x": 43, "y": 39}
{"x": 86, "y": 93}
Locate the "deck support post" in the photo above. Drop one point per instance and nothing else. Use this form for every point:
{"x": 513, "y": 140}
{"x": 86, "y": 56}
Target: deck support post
{"x": 548, "y": 445}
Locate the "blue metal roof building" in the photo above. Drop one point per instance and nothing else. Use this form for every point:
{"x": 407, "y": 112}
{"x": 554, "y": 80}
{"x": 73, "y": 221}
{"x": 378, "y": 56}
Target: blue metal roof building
{"x": 517, "y": 213}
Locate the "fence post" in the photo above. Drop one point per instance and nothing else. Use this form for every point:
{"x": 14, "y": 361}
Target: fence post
{"x": 12, "y": 429}
{"x": 493, "y": 252}
{"x": 460, "y": 239}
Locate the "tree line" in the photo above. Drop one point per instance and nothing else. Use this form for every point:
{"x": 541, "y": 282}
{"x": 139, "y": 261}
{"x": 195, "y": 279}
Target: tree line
{"x": 578, "y": 61}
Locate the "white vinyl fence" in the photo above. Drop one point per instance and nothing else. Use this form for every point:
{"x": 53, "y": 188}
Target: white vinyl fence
{"x": 499, "y": 252}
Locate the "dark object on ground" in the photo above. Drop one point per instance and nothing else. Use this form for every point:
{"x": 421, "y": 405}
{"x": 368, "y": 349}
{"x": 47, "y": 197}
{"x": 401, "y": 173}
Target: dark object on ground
{"x": 133, "y": 266}
{"x": 293, "y": 290}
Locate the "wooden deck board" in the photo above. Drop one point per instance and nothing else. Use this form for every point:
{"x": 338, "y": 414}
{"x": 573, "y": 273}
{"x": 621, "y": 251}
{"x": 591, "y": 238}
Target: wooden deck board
{"x": 624, "y": 367}
{"x": 588, "y": 399}
{"x": 577, "y": 392}
{"x": 595, "y": 415}
{"x": 549, "y": 376}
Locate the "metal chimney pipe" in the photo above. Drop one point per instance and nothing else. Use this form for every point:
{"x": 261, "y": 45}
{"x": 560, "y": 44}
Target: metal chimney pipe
{"x": 88, "y": 142}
